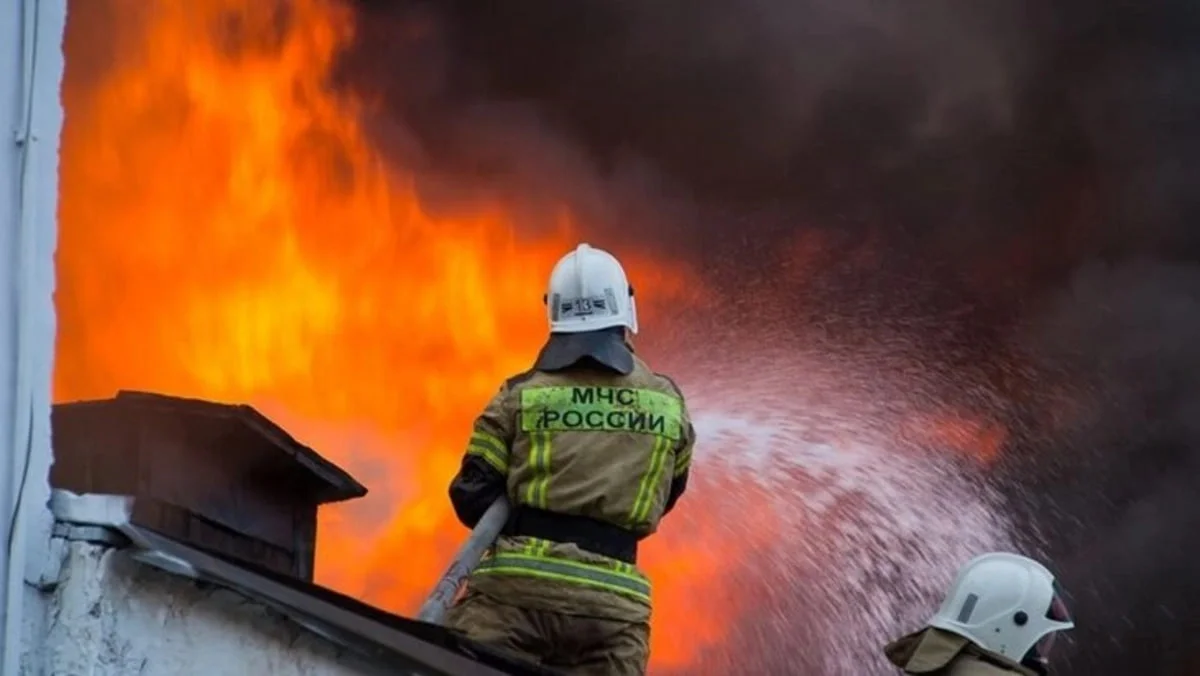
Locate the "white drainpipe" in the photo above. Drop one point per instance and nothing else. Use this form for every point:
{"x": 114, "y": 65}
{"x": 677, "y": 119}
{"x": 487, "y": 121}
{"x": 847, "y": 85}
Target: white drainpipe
{"x": 31, "y": 67}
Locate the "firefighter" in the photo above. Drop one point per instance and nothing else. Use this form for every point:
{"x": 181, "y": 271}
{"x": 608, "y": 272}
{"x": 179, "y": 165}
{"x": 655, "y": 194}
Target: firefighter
{"x": 592, "y": 449}
{"x": 1001, "y": 617}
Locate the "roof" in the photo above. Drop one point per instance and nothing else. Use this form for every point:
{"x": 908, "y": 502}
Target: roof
{"x": 332, "y": 483}
{"x": 402, "y": 645}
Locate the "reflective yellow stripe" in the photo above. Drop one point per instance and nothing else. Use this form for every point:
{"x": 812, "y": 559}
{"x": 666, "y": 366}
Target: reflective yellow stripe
{"x": 544, "y": 483}
{"x": 601, "y": 409}
{"x": 563, "y": 570}
{"x": 536, "y": 546}
{"x": 650, "y": 480}
{"x": 489, "y": 441}
{"x": 490, "y": 458}
{"x": 535, "y": 454}
{"x": 683, "y": 461}
{"x": 539, "y": 464}
{"x": 491, "y": 449}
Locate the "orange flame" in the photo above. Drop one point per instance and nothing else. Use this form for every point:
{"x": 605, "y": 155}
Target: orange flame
{"x": 974, "y": 436}
{"x": 228, "y": 232}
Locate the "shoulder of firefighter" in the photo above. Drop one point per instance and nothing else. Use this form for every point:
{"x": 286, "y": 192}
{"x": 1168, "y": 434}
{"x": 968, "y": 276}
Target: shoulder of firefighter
{"x": 591, "y": 460}
{"x": 934, "y": 651}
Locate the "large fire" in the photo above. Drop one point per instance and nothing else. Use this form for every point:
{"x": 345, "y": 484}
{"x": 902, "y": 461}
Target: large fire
{"x": 228, "y": 232}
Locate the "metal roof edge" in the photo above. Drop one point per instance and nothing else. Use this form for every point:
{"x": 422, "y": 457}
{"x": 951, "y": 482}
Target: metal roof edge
{"x": 309, "y": 605}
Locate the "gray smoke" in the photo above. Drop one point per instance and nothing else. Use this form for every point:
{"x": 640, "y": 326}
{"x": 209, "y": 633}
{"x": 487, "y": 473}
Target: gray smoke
{"x": 1001, "y": 189}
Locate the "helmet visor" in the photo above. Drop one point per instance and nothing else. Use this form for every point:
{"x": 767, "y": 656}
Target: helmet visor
{"x": 1058, "y": 609}
{"x": 1057, "y": 612}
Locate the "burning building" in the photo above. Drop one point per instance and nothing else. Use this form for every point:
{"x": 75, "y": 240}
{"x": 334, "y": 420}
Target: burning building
{"x": 352, "y": 308}
{"x": 140, "y": 517}
{"x": 161, "y": 535}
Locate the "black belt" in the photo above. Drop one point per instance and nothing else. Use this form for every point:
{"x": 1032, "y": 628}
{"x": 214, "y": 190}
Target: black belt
{"x": 588, "y": 534}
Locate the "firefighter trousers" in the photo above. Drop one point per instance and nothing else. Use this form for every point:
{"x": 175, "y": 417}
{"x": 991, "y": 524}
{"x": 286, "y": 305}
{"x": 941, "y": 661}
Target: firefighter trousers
{"x": 569, "y": 644}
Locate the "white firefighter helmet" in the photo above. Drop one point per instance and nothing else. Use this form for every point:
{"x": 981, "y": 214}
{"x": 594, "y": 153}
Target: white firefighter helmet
{"x": 1004, "y": 603}
{"x": 589, "y": 291}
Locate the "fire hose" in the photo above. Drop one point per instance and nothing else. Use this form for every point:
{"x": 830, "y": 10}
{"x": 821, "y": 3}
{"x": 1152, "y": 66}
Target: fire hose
{"x": 469, "y": 555}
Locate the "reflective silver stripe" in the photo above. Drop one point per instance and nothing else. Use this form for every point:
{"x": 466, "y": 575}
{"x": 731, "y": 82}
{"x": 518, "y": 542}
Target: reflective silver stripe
{"x": 563, "y": 570}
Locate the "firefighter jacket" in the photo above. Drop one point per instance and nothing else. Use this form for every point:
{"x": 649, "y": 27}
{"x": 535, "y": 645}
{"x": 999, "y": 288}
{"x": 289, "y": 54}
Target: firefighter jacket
{"x": 591, "y": 453}
{"x": 941, "y": 653}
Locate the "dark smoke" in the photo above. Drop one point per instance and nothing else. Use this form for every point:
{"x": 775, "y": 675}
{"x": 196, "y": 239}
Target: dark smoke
{"x": 1000, "y": 189}
{"x": 1110, "y": 473}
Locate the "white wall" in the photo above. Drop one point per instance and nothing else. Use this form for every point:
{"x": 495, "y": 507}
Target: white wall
{"x": 31, "y": 67}
{"x": 113, "y": 616}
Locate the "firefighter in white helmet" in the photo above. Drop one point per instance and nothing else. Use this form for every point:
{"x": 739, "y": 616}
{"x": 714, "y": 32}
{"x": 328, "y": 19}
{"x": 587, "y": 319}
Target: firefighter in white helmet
{"x": 592, "y": 449}
{"x": 1001, "y": 617}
